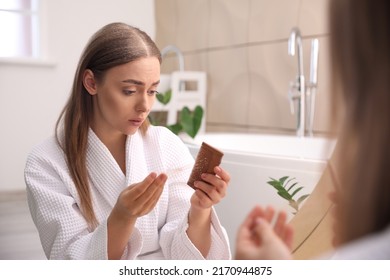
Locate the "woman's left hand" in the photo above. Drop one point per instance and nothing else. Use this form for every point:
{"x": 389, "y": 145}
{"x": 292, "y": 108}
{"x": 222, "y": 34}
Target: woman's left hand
{"x": 207, "y": 193}
{"x": 211, "y": 190}
{"x": 257, "y": 239}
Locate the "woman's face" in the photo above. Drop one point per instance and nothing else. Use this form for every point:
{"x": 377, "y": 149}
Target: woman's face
{"x": 123, "y": 99}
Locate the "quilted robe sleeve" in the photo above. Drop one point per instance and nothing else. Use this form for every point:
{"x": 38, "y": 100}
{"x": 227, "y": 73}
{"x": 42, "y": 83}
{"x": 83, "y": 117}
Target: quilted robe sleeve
{"x": 62, "y": 229}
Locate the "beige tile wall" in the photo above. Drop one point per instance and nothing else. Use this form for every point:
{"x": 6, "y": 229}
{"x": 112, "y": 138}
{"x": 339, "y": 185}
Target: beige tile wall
{"x": 242, "y": 45}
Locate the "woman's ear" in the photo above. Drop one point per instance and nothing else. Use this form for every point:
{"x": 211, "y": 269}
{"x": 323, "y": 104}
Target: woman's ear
{"x": 89, "y": 82}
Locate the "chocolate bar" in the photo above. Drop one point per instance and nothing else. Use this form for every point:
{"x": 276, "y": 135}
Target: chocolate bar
{"x": 208, "y": 157}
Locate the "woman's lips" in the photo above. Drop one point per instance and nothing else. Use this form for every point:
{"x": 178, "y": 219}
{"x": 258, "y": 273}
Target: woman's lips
{"x": 136, "y": 122}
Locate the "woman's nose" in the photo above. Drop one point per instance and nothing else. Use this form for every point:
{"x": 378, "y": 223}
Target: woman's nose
{"x": 143, "y": 103}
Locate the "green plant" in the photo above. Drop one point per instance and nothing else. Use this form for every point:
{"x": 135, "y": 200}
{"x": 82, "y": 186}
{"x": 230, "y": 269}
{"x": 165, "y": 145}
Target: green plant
{"x": 165, "y": 97}
{"x": 287, "y": 191}
{"x": 188, "y": 121}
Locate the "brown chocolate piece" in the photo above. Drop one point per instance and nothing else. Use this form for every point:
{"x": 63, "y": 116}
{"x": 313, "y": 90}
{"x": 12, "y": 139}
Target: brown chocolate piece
{"x": 208, "y": 157}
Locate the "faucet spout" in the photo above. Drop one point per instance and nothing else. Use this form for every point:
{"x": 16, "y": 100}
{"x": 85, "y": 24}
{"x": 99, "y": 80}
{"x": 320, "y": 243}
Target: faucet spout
{"x": 295, "y": 48}
{"x": 180, "y": 59}
{"x": 179, "y": 54}
{"x": 295, "y": 42}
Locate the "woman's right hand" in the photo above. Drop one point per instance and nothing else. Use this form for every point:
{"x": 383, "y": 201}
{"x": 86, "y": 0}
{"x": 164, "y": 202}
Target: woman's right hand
{"x": 140, "y": 198}
{"x": 135, "y": 201}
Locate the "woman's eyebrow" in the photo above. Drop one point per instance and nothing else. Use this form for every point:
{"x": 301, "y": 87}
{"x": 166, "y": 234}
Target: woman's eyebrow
{"x": 139, "y": 83}
{"x": 131, "y": 81}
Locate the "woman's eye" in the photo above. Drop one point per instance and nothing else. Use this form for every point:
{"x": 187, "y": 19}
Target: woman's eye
{"x": 129, "y": 92}
{"x": 153, "y": 92}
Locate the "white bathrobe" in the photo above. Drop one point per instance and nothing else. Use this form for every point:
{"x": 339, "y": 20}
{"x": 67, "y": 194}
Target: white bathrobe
{"x": 374, "y": 246}
{"x": 161, "y": 234}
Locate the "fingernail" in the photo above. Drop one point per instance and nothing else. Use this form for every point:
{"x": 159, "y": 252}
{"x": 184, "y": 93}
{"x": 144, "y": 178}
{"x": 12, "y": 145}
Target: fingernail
{"x": 259, "y": 221}
{"x": 162, "y": 178}
{"x": 218, "y": 169}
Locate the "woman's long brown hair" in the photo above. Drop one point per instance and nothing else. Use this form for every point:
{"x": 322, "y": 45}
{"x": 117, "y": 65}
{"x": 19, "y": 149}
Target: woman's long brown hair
{"x": 360, "y": 51}
{"x": 112, "y": 45}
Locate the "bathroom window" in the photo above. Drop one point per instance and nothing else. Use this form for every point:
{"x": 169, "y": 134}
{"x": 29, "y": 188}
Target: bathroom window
{"x": 19, "y": 29}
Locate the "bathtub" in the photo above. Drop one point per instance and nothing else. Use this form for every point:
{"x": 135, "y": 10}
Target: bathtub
{"x": 251, "y": 159}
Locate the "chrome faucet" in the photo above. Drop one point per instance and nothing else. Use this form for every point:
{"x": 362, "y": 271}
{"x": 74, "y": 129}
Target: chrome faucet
{"x": 180, "y": 59}
{"x": 306, "y": 92}
{"x": 179, "y": 54}
{"x": 311, "y": 87}
{"x": 295, "y": 42}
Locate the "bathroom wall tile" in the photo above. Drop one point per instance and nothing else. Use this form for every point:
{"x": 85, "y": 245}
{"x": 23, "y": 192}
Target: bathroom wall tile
{"x": 193, "y": 61}
{"x": 216, "y": 127}
{"x": 228, "y": 81}
{"x": 272, "y": 20}
{"x": 183, "y": 23}
{"x": 271, "y": 71}
{"x": 242, "y": 45}
{"x": 192, "y": 24}
{"x": 170, "y": 64}
{"x": 313, "y": 17}
{"x": 228, "y": 23}
{"x": 196, "y": 61}
{"x": 166, "y": 22}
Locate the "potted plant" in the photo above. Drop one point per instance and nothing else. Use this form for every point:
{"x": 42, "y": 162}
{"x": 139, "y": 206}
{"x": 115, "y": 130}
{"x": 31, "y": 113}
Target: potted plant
{"x": 288, "y": 189}
{"x": 188, "y": 121}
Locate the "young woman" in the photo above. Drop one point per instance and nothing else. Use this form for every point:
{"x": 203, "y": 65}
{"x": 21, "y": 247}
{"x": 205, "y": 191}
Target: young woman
{"x": 109, "y": 185}
{"x": 360, "y": 45}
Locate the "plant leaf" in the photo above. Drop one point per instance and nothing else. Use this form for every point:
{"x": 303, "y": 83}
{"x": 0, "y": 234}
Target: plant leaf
{"x": 276, "y": 185}
{"x": 302, "y": 198}
{"x": 284, "y": 194}
{"x": 175, "y": 128}
{"x": 165, "y": 97}
{"x": 160, "y": 98}
{"x": 291, "y": 179}
{"x": 186, "y": 121}
{"x": 191, "y": 121}
{"x": 294, "y": 204}
{"x": 273, "y": 182}
{"x": 283, "y": 190}
{"x": 296, "y": 191}
{"x": 197, "y": 119}
{"x": 279, "y": 187}
{"x": 290, "y": 188}
{"x": 283, "y": 179}
{"x": 151, "y": 120}
{"x": 168, "y": 96}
